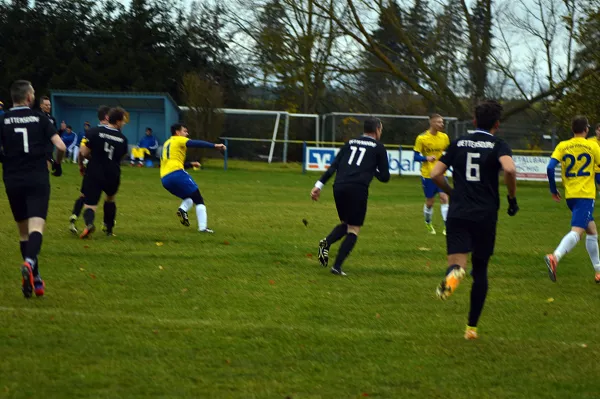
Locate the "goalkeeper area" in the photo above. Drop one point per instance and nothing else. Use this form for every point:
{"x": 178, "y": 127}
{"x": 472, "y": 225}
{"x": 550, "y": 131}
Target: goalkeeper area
{"x": 161, "y": 311}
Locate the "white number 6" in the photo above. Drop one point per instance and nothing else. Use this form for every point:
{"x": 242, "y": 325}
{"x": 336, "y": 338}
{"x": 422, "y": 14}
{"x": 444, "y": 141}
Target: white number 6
{"x": 472, "y": 168}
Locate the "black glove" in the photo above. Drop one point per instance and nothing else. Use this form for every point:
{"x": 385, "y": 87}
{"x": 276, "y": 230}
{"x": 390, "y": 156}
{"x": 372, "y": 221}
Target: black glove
{"x": 56, "y": 169}
{"x": 513, "y": 208}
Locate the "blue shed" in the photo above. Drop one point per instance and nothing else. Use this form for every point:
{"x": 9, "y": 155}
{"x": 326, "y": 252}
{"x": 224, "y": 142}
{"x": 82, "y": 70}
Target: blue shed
{"x": 155, "y": 110}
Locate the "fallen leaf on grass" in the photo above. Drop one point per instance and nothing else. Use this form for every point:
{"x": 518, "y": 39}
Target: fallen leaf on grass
{"x": 161, "y": 268}
{"x": 159, "y": 244}
{"x": 271, "y": 282}
{"x": 155, "y": 331}
{"x": 184, "y": 290}
{"x": 424, "y": 249}
{"x": 377, "y": 315}
{"x": 550, "y": 300}
{"x": 86, "y": 246}
{"x": 309, "y": 255}
{"x": 227, "y": 361}
{"x": 305, "y": 222}
{"x": 364, "y": 394}
{"x": 584, "y": 345}
{"x": 81, "y": 269}
{"x": 93, "y": 276}
{"x": 225, "y": 242}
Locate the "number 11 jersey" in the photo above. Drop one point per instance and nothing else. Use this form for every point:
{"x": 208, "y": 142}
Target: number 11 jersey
{"x": 108, "y": 147}
{"x": 475, "y": 163}
{"x": 578, "y": 158}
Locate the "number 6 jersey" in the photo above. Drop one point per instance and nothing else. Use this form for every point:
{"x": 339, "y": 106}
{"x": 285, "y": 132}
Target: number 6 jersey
{"x": 578, "y": 158}
{"x": 25, "y": 135}
{"x": 108, "y": 146}
{"x": 475, "y": 164}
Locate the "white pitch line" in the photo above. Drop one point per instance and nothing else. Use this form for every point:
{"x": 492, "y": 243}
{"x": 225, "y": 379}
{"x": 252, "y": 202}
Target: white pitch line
{"x": 189, "y": 322}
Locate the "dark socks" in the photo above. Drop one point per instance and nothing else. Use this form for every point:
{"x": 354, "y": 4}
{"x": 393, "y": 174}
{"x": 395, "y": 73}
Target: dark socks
{"x": 23, "y": 245}
{"x": 110, "y": 213}
{"x": 78, "y": 206}
{"x": 450, "y": 268}
{"x": 345, "y": 250}
{"x": 32, "y": 250}
{"x": 88, "y": 216}
{"x": 478, "y": 290}
{"x": 337, "y": 234}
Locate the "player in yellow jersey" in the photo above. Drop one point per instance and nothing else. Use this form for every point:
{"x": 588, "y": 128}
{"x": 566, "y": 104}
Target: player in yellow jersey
{"x": 177, "y": 181}
{"x": 578, "y": 158}
{"x": 429, "y": 147}
{"x": 596, "y": 139}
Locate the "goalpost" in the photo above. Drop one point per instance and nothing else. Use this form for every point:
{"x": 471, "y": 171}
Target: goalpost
{"x": 278, "y": 116}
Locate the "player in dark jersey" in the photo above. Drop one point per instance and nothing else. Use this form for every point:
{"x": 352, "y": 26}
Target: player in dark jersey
{"x": 25, "y": 135}
{"x": 357, "y": 162}
{"x": 78, "y": 205}
{"x": 105, "y": 148}
{"x": 476, "y": 161}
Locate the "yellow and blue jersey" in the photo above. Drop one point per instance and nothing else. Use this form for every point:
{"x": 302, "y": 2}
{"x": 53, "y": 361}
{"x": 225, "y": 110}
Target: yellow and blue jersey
{"x": 578, "y": 159}
{"x": 594, "y": 139}
{"x": 429, "y": 144}
{"x": 173, "y": 155}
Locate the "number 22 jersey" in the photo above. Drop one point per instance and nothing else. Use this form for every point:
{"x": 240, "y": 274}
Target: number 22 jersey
{"x": 475, "y": 160}
{"x": 578, "y": 158}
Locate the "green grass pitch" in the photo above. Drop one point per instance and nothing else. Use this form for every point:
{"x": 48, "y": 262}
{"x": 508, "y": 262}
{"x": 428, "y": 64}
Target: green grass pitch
{"x": 162, "y": 311}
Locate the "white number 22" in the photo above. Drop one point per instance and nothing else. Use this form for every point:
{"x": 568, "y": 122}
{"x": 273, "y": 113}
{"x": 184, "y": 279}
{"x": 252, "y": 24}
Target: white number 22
{"x": 360, "y": 157}
{"x": 23, "y": 131}
{"x": 472, "y": 168}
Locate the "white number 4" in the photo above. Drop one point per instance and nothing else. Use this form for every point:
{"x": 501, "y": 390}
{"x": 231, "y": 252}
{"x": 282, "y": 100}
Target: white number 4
{"x": 472, "y": 168}
{"x": 109, "y": 150}
{"x": 23, "y": 131}
{"x": 360, "y": 157}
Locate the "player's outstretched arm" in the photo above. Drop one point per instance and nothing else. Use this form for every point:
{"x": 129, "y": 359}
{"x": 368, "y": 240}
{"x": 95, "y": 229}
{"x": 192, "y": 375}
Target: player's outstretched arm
{"x": 204, "y": 144}
{"x": 438, "y": 175}
{"x": 510, "y": 179}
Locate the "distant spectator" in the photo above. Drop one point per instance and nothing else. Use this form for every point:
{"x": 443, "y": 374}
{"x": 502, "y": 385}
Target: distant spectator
{"x": 46, "y": 107}
{"x": 147, "y": 146}
{"x": 1, "y": 108}
{"x": 69, "y": 137}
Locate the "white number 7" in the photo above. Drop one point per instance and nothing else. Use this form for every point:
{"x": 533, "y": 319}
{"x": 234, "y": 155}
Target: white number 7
{"x": 23, "y": 131}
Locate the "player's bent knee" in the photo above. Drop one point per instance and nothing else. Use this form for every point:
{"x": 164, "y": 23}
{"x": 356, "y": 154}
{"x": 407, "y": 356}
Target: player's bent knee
{"x": 591, "y": 229}
{"x": 197, "y": 198}
{"x": 353, "y": 229}
{"x": 112, "y": 198}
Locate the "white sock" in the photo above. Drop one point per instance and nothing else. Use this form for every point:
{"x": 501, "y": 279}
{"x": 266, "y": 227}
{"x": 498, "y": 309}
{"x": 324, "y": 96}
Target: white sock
{"x": 591, "y": 244}
{"x": 202, "y": 218}
{"x": 444, "y": 208}
{"x": 186, "y": 204}
{"x": 428, "y": 213}
{"x": 566, "y": 245}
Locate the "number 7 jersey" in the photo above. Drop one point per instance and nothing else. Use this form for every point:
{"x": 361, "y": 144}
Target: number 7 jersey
{"x": 578, "y": 158}
{"x": 475, "y": 162}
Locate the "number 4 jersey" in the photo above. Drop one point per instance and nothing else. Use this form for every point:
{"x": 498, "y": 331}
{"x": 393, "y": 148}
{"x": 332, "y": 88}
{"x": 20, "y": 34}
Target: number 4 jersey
{"x": 108, "y": 147}
{"x": 475, "y": 163}
{"x": 578, "y": 158}
{"x": 25, "y": 135}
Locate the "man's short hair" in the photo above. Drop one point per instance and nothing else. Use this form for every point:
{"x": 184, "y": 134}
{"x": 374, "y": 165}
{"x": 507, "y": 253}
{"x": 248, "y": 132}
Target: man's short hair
{"x": 177, "y": 127}
{"x": 435, "y": 116}
{"x": 597, "y": 126}
{"x": 115, "y": 115}
{"x": 579, "y": 124}
{"x": 19, "y": 91}
{"x": 103, "y": 110}
{"x": 371, "y": 125}
{"x": 69, "y": 127}
{"x": 149, "y": 129}
{"x": 44, "y": 98}
{"x": 487, "y": 114}
{"x": 87, "y": 124}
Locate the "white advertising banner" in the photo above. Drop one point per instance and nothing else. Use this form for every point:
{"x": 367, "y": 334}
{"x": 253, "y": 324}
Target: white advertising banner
{"x": 531, "y": 168}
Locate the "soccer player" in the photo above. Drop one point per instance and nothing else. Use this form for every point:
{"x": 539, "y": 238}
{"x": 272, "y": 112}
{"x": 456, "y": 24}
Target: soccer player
{"x": 104, "y": 147}
{"x": 596, "y": 139}
{"x": 25, "y": 136}
{"x": 476, "y": 160}
{"x": 577, "y": 157}
{"x": 429, "y": 147}
{"x": 147, "y": 146}
{"x": 177, "y": 181}
{"x": 78, "y": 206}
{"x": 357, "y": 162}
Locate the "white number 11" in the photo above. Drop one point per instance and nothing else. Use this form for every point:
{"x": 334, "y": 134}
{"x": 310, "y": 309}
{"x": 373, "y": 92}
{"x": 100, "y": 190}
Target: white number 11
{"x": 23, "y": 131}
